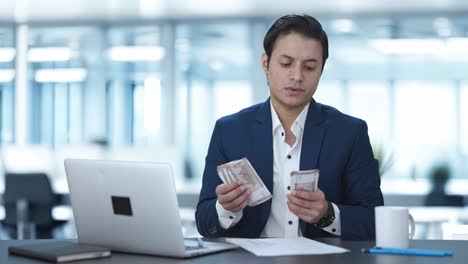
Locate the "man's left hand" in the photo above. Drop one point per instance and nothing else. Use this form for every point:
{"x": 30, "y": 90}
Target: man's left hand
{"x": 308, "y": 206}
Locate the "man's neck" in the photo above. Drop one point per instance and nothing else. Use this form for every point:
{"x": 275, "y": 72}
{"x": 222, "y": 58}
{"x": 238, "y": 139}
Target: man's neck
{"x": 287, "y": 116}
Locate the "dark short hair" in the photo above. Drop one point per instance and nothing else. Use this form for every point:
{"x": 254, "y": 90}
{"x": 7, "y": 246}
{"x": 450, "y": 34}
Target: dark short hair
{"x": 305, "y": 25}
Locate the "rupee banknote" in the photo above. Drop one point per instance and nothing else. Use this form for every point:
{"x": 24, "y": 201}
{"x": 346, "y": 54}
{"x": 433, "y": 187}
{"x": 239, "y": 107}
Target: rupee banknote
{"x": 304, "y": 180}
{"x": 241, "y": 170}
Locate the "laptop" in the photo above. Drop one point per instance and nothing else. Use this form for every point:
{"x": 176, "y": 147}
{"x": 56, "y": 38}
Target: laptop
{"x": 130, "y": 207}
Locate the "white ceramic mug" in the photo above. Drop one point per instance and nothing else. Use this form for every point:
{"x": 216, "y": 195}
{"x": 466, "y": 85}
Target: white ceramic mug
{"x": 394, "y": 226}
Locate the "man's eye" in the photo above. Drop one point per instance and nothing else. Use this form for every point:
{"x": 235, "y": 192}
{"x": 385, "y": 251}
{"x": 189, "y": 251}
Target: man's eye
{"x": 308, "y": 68}
{"x": 285, "y": 64}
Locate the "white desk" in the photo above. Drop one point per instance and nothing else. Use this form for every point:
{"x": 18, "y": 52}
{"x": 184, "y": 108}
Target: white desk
{"x": 60, "y": 212}
{"x": 432, "y": 218}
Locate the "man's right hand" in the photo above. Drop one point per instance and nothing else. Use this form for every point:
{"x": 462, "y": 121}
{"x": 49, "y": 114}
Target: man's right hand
{"x": 233, "y": 196}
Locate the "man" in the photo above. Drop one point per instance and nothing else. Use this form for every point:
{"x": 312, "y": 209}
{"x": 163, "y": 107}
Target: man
{"x": 289, "y": 132}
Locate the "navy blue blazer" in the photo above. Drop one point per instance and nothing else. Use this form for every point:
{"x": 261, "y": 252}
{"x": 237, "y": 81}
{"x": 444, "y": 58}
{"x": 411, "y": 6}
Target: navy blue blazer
{"x": 336, "y": 144}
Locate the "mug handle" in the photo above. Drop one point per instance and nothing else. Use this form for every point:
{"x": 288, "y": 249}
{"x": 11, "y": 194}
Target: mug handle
{"x": 411, "y": 220}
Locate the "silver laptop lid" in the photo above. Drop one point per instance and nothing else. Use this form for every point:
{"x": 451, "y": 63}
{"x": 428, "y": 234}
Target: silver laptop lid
{"x": 126, "y": 206}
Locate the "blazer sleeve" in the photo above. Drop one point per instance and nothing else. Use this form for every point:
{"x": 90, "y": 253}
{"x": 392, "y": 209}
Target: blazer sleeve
{"x": 361, "y": 190}
{"x": 206, "y": 216}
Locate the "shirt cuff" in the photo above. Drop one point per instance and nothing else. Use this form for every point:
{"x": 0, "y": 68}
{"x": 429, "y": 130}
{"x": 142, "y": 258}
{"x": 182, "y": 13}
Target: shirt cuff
{"x": 335, "y": 227}
{"x": 227, "y": 219}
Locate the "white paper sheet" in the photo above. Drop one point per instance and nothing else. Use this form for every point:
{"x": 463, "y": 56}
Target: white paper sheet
{"x": 266, "y": 247}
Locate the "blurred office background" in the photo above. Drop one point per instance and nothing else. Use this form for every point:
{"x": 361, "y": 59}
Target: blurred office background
{"x": 147, "y": 79}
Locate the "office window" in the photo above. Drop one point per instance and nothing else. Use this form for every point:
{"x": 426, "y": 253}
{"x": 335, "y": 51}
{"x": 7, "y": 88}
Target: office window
{"x": 213, "y": 65}
{"x": 425, "y": 125}
{"x": 7, "y": 79}
{"x": 370, "y": 101}
{"x": 230, "y": 97}
{"x": 464, "y": 120}
{"x": 58, "y": 113}
{"x": 6, "y": 112}
{"x": 75, "y": 113}
{"x": 146, "y": 112}
{"x": 201, "y": 125}
{"x": 136, "y": 88}
{"x": 61, "y": 66}
{"x": 330, "y": 93}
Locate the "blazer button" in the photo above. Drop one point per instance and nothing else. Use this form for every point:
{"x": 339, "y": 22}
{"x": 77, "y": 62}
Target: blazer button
{"x": 213, "y": 230}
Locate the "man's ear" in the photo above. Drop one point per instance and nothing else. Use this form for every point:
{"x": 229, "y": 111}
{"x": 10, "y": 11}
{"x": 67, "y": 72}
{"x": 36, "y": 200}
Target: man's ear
{"x": 265, "y": 62}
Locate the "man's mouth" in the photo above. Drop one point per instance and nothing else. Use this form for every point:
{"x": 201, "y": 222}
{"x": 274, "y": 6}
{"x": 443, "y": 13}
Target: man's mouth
{"x": 294, "y": 90}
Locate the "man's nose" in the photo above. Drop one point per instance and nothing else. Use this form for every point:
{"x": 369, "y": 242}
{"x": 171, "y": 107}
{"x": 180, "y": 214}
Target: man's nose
{"x": 296, "y": 74}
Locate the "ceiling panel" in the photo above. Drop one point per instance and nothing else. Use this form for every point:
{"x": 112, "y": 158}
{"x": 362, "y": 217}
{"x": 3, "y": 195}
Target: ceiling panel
{"x": 50, "y": 10}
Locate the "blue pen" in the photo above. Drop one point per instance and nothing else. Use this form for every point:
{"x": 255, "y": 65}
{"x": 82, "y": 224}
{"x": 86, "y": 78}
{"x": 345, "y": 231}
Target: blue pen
{"x": 408, "y": 251}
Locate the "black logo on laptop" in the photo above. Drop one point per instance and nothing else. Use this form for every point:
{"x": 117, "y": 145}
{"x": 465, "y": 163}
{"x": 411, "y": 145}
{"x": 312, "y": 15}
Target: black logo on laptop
{"x": 121, "y": 205}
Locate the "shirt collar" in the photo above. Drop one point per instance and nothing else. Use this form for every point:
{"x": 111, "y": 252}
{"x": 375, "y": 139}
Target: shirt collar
{"x": 274, "y": 118}
{"x": 300, "y": 120}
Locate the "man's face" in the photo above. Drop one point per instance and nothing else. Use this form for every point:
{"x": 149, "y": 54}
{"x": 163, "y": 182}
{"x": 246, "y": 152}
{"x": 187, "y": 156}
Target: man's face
{"x": 294, "y": 70}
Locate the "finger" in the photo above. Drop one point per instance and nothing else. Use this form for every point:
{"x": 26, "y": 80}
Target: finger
{"x": 238, "y": 202}
{"x": 227, "y": 187}
{"x": 310, "y": 216}
{"x": 318, "y": 195}
{"x": 232, "y": 195}
{"x": 308, "y": 219}
{"x": 295, "y": 210}
{"x": 315, "y": 209}
{"x": 242, "y": 206}
{"x": 299, "y": 201}
{"x": 300, "y": 210}
{"x": 318, "y": 206}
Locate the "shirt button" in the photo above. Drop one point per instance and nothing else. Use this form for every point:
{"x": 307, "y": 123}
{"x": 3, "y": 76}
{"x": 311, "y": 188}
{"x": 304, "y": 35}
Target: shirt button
{"x": 333, "y": 230}
{"x": 290, "y": 222}
{"x": 289, "y": 156}
{"x": 231, "y": 217}
{"x": 282, "y": 133}
{"x": 289, "y": 188}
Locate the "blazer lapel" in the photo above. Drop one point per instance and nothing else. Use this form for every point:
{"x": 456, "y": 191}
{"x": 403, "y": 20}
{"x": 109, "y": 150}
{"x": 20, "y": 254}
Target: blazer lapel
{"x": 262, "y": 145}
{"x": 314, "y": 131}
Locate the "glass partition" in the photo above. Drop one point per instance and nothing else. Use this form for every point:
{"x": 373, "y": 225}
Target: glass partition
{"x": 61, "y": 76}
{"x": 7, "y": 80}
{"x": 136, "y": 85}
{"x": 152, "y": 84}
{"x": 213, "y": 62}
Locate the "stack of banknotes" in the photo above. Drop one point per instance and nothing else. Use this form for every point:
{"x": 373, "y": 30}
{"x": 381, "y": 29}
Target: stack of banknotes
{"x": 242, "y": 171}
{"x": 304, "y": 180}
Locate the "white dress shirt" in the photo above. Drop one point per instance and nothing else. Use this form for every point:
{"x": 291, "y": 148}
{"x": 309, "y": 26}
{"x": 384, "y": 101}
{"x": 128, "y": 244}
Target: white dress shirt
{"x": 281, "y": 222}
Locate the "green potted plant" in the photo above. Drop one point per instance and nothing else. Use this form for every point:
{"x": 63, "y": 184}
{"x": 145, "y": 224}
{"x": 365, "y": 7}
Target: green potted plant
{"x": 385, "y": 159}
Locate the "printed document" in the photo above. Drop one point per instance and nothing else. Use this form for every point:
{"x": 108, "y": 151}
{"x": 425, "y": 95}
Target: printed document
{"x": 268, "y": 247}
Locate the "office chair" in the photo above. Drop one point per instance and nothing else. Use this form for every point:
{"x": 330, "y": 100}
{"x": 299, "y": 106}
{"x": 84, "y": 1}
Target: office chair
{"x": 440, "y": 175}
{"x": 35, "y": 189}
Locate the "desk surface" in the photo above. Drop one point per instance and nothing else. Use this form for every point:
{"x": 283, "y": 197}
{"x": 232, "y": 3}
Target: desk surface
{"x": 439, "y": 214}
{"x": 240, "y": 256}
